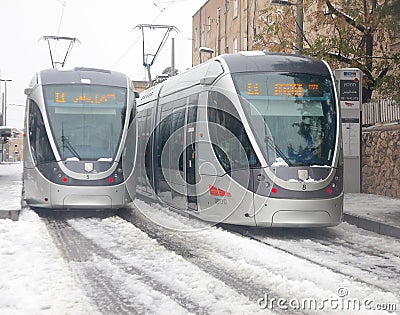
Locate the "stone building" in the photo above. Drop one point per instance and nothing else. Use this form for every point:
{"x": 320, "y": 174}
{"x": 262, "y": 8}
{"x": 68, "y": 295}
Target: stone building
{"x": 12, "y": 147}
{"x": 225, "y": 27}
{"x": 229, "y": 26}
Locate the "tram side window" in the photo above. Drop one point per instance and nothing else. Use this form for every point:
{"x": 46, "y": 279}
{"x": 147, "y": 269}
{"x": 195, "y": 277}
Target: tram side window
{"x": 148, "y": 142}
{"x": 229, "y": 139}
{"x": 177, "y": 132}
{"x": 141, "y": 141}
{"x": 164, "y": 131}
{"x": 39, "y": 141}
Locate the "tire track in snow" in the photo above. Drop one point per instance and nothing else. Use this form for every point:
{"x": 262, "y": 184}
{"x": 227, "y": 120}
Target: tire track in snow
{"x": 375, "y": 267}
{"x": 201, "y": 258}
{"x": 102, "y": 289}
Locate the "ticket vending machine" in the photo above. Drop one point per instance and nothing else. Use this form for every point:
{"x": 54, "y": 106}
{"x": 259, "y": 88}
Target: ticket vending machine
{"x": 349, "y": 85}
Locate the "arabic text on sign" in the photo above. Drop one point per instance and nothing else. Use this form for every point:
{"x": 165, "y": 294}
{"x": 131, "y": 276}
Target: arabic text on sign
{"x": 288, "y": 89}
{"x": 96, "y": 99}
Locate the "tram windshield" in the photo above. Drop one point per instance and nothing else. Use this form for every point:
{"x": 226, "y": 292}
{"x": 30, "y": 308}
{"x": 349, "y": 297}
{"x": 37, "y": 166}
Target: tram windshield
{"x": 86, "y": 120}
{"x": 292, "y": 115}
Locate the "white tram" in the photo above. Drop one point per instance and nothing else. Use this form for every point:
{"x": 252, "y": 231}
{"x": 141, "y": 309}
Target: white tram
{"x": 250, "y": 138}
{"x": 76, "y": 126}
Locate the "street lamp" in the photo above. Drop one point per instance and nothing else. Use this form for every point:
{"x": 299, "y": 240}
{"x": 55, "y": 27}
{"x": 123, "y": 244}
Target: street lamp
{"x": 4, "y": 100}
{"x": 299, "y": 21}
{"x": 205, "y": 50}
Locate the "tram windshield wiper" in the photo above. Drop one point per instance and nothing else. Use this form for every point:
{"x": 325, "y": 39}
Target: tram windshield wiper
{"x": 271, "y": 143}
{"x": 68, "y": 145}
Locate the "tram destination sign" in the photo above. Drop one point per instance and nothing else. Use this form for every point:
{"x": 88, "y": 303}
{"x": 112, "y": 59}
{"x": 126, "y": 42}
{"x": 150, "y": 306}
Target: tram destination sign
{"x": 61, "y": 97}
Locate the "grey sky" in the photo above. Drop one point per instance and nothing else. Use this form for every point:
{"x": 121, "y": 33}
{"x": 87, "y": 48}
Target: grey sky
{"x": 105, "y": 29}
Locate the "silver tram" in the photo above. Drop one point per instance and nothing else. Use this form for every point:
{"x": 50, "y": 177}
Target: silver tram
{"x": 76, "y": 126}
{"x": 251, "y": 138}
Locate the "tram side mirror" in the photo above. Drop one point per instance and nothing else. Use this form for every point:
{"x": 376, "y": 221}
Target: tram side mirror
{"x": 136, "y": 94}
{"x": 28, "y": 91}
{"x": 207, "y": 80}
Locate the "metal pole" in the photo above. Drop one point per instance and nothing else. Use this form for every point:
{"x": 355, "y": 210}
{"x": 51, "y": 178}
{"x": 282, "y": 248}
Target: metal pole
{"x": 5, "y": 103}
{"x": 172, "y": 57}
{"x": 299, "y": 27}
{"x": 4, "y": 100}
{"x": 2, "y": 109}
{"x": 149, "y": 75}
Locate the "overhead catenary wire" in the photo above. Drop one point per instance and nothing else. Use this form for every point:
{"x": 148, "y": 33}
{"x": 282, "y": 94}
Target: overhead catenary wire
{"x": 139, "y": 37}
{"x": 63, "y": 3}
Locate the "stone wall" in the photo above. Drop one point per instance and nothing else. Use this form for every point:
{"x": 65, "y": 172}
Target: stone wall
{"x": 381, "y": 160}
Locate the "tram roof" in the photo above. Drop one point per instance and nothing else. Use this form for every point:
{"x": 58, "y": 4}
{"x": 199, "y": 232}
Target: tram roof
{"x": 250, "y": 61}
{"x": 263, "y": 61}
{"x": 83, "y": 75}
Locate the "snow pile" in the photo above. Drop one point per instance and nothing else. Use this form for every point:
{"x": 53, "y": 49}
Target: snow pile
{"x": 10, "y": 186}
{"x": 34, "y": 278}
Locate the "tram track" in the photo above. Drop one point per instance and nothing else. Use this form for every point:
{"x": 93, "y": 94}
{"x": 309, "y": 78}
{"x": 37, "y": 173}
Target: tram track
{"x": 252, "y": 278}
{"x": 379, "y": 266}
{"x": 104, "y": 291}
{"x": 202, "y": 257}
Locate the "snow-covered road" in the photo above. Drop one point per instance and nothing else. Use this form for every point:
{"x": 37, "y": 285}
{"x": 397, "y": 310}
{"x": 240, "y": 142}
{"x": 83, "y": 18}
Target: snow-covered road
{"x": 131, "y": 264}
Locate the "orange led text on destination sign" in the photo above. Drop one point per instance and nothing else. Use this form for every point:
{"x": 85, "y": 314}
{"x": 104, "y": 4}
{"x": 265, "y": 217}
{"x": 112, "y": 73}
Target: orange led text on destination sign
{"x": 288, "y": 89}
{"x": 97, "y": 99}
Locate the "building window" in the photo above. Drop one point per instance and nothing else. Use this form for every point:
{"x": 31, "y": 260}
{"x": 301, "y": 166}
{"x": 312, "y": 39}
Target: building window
{"x": 270, "y": 20}
{"x": 235, "y": 8}
{"x": 235, "y": 45}
{"x": 209, "y": 23}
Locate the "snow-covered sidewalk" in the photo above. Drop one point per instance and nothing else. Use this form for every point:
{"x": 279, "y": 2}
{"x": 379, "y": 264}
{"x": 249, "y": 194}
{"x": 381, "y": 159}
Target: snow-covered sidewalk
{"x": 375, "y": 213}
{"x": 10, "y": 190}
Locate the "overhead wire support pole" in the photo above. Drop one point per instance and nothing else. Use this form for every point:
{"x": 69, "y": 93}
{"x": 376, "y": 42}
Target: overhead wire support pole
{"x": 147, "y": 63}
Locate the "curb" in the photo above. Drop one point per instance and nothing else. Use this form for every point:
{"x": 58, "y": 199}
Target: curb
{"x": 373, "y": 226}
{"x": 10, "y": 214}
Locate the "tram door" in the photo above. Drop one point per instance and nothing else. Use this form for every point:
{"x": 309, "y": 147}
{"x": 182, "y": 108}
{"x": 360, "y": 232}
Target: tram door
{"x": 191, "y": 153}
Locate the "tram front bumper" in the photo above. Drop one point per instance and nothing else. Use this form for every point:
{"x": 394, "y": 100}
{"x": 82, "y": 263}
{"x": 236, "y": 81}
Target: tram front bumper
{"x": 88, "y": 197}
{"x": 300, "y": 213}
